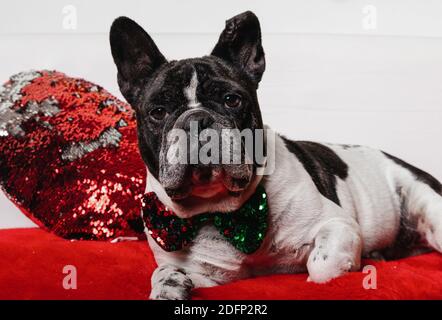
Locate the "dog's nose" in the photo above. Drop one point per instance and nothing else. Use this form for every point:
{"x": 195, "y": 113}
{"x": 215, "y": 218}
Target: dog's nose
{"x": 200, "y": 119}
{"x": 205, "y": 122}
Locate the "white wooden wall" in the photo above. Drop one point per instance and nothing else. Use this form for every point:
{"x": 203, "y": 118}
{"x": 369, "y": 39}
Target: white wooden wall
{"x": 350, "y": 71}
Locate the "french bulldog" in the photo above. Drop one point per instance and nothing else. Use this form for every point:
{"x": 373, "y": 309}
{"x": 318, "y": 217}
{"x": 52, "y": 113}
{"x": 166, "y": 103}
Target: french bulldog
{"x": 328, "y": 204}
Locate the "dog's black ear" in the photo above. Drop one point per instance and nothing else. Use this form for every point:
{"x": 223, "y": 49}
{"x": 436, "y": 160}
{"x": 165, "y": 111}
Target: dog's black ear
{"x": 240, "y": 44}
{"x": 135, "y": 55}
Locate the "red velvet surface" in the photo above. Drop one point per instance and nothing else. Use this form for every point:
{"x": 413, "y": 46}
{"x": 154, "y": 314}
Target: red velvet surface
{"x": 33, "y": 260}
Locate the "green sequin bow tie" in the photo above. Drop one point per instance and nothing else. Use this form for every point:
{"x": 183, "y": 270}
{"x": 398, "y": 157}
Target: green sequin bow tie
{"x": 244, "y": 228}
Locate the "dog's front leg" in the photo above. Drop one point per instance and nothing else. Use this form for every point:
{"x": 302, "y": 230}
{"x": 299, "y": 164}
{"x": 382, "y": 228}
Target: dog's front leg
{"x": 170, "y": 283}
{"x": 337, "y": 250}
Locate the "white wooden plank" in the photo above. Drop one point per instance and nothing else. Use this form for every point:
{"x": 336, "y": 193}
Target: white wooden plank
{"x": 393, "y": 17}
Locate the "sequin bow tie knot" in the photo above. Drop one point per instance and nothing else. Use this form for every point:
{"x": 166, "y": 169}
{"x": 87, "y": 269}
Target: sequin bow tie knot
{"x": 244, "y": 228}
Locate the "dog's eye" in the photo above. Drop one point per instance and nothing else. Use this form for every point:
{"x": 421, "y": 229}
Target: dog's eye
{"x": 232, "y": 100}
{"x": 158, "y": 113}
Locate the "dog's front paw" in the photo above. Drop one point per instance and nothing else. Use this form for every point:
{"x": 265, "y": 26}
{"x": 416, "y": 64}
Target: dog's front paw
{"x": 336, "y": 251}
{"x": 170, "y": 283}
{"x": 323, "y": 267}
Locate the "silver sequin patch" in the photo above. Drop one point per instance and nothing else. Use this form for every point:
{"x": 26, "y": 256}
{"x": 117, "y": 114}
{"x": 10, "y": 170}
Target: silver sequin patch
{"x": 109, "y": 137}
{"x": 12, "y": 118}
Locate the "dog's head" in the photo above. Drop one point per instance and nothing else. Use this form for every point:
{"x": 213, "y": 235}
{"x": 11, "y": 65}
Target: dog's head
{"x": 212, "y": 94}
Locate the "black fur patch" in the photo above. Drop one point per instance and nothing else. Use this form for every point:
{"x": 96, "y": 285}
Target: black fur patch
{"x": 407, "y": 237}
{"x": 421, "y": 175}
{"x": 322, "y": 164}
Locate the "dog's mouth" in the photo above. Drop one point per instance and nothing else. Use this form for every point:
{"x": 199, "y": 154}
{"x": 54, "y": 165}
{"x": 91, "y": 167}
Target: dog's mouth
{"x": 207, "y": 184}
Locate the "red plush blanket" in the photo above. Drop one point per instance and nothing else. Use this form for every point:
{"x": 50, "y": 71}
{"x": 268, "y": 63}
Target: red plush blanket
{"x": 33, "y": 262}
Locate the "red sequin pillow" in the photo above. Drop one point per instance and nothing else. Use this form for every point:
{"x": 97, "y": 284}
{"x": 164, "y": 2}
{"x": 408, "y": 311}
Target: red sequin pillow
{"x": 69, "y": 158}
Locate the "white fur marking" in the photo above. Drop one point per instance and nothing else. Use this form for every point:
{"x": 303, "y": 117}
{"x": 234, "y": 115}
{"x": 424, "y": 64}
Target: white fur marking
{"x": 190, "y": 92}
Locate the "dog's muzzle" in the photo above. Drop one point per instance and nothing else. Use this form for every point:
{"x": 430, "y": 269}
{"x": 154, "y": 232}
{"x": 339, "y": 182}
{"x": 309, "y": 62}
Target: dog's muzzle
{"x": 203, "y": 148}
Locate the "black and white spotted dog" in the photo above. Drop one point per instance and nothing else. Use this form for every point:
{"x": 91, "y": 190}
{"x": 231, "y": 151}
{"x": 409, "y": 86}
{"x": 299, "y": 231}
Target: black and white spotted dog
{"x": 328, "y": 204}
